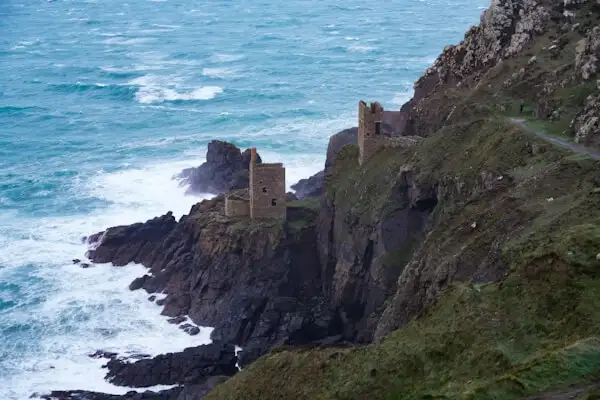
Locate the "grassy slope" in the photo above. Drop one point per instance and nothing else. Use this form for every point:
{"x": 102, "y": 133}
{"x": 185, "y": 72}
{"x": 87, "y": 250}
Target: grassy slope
{"x": 537, "y": 330}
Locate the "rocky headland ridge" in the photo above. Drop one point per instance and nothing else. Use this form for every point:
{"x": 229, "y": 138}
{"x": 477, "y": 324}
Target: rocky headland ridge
{"x": 465, "y": 266}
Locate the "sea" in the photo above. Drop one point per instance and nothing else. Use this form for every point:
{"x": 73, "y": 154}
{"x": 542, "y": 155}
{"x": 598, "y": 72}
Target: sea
{"x": 103, "y": 101}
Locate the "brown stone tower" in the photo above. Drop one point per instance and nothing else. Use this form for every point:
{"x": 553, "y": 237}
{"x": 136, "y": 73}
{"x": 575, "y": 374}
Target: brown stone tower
{"x": 267, "y": 189}
{"x": 370, "y": 138}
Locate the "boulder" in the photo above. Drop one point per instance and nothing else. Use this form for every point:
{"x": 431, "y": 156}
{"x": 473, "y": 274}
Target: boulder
{"x": 226, "y": 168}
{"x": 190, "y": 366}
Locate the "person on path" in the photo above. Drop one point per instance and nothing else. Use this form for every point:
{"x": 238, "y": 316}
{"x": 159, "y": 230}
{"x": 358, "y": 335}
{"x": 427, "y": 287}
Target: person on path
{"x": 521, "y": 107}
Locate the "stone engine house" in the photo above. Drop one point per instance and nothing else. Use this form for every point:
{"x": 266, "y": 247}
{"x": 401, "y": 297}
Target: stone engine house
{"x": 266, "y": 196}
{"x": 377, "y": 129}
{"x": 370, "y": 138}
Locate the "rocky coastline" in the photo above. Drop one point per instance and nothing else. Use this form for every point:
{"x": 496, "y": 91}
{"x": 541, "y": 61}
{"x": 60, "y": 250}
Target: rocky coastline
{"x": 366, "y": 250}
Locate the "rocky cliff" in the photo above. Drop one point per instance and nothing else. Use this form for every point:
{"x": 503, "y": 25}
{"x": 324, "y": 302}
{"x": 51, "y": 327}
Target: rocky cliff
{"x": 463, "y": 267}
{"x": 257, "y": 283}
{"x": 471, "y": 259}
{"x": 226, "y": 168}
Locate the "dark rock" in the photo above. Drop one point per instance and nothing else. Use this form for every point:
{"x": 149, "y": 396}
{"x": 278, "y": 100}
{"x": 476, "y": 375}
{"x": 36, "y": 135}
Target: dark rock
{"x": 76, "y": 261}
{"x": 337, "y": 142}
{"x": 225, "y": 169}
{"x": 191, "y": 366}
{"x": 190, "y": 329}
{"x": 138, "y": 283}
{"x": 138, "y": 356}
{"x": 152, "y": 298}
{"x": 313, "y": 186}
{"x": 85, "y": 265}
{"x": 124, "y": 244}
{"x": 103, "y": 354}
{"x": 256, "y": 287}
{"x": 177, "y": 320}
{"x": 170, "y": 394}
{"x": 194, "y": 392}
{"x": 248, "y": 355}
{"x": 310, "y": 187}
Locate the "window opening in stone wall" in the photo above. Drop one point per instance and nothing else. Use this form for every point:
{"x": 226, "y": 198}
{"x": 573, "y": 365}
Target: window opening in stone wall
{"x": 273, "y": 202}
{"x": 264, "y": 189}
{"x": 378, "y": 128}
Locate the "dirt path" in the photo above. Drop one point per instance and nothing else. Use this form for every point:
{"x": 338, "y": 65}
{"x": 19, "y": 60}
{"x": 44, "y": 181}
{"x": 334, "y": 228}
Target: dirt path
{"x": 562, "y": 143}
{"x": 573, "y": 392}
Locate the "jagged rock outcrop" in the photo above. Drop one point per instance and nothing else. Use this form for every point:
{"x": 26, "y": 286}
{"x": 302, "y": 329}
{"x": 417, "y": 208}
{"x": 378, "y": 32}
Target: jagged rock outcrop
{"x": 586, "y": 123}
{"x": 186, "y": 392}
{"x": 257, "y": 283}
{"x": 171, "y": 394}
{"x": 363, "y": 247}
{"x": 190, "y": 366}
{"x": 313, "y": 186}
{"x": 587, "y": 54}
{"x": 309, "y": 187}
{"x": 225, "y": 169}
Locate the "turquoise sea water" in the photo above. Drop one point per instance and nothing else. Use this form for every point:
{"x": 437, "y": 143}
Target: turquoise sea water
{"x": 102, "y": 101}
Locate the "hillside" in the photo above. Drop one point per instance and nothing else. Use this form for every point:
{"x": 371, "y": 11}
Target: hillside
{"x": 468, "y": 264}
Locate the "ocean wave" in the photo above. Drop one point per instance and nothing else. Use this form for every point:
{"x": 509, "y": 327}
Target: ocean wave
{"x": 59, "y": 313}
{"x": 113, "y": 90}
{"x": 222, "y": 57}
{"x": 360, "y": 49}
{"x": 157, "y": 89}
{"x": 220, "y": 72}
{"x": 401, "y": 98}
{"x": 127, "y": 41}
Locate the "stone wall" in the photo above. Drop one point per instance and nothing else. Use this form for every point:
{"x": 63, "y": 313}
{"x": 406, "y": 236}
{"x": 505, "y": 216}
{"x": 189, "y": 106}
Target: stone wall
{"x": 237, "y": 207}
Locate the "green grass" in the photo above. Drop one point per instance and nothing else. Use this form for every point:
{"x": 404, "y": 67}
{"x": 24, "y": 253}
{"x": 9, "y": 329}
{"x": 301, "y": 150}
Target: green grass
{"x": 518, "y": 313}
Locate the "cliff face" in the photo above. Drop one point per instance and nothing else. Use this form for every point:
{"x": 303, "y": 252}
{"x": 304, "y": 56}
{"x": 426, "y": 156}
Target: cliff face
{"x": 472, "y": 258}
{"x": 257, "y": 283}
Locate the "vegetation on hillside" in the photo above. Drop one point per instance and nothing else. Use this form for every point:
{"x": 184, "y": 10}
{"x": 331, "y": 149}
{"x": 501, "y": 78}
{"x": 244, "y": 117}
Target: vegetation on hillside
{"x": 522, "y": 206}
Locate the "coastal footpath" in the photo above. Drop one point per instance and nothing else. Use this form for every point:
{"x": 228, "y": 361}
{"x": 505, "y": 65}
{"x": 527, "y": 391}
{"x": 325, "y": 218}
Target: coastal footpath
{"x": 465, "y": 265}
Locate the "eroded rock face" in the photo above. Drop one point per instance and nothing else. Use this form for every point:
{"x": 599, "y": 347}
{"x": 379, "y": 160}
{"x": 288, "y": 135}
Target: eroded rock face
{"x": 309, "y": 187}
{"x": 225, "y": 169}
{"x": 506, "y": 27}
{"x": 258, "y": 284}
{"x": 313, "y": 186}
{"x": 360, "y": 274}
{"x": 435, "y": 263}
{"x": 586, "y": 124}
{"x": 587, "y": 54}
{"x": 190, "y": 366}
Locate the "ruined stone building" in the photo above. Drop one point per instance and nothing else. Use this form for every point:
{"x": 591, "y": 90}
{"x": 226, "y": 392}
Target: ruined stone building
{"x": 265, "y": 197}
{"x": 377, "y": 128}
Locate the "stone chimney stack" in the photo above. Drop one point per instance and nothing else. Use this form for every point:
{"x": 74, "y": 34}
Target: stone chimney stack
{"x": 252, "y": 156}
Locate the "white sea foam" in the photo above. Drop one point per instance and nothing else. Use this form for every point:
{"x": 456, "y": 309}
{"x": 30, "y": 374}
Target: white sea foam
{"x": 127, "y": 41}
{"x": 220, "y": 72}
{"x": 221, "y": 57}
{"x": 158, "y": 89}
{"x": 84, "y": 310}
{"x": 360, "y": 49}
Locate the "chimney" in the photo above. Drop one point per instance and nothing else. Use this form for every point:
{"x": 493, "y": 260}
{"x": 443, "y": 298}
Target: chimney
{"x": 252, "y": 156}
